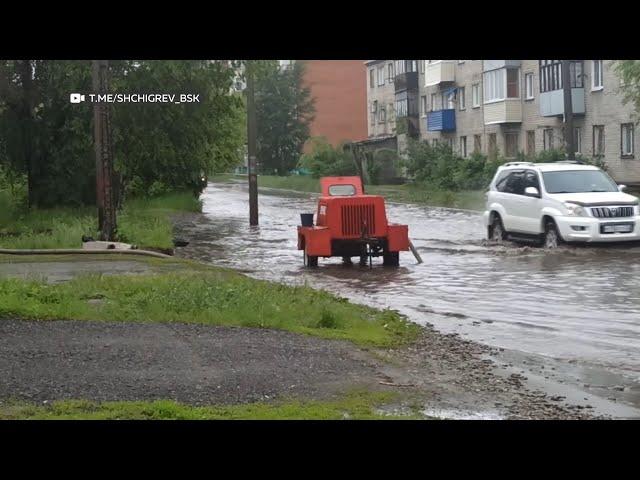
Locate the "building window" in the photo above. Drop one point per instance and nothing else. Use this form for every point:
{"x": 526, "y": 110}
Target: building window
{"x": 423, "y": 104}
{"x": 493, "y": 145}
{"x": 451, "y": 100}
{"x": 390, "y": 111}
{"x": 477, "y": 143}
{"x": 551, "y": 75}
{"x": 596, "y": 75}
{"x": 531, "y": 142}
{"x": 400, "y": 67}
{"x": 372, "y": 83}
{"x": 463, "y": 146}
{"x": 450, "y": 143}
{"x": 500, "y": 84}
{"x": 434, "y": 105}
{"x": 381, "y": 75}
{"x": 577, "y": 140}
{"x": 374, "y": 112}
{"x": 422, "y": 65}
{"x": 494, "y": 85}
{"x": 402, "y": 108}
{"x": 528, "y": 86}
{"x": 598, "y": 140}
{"x": 547, "y": 137}
{"x": 626, "y": 140}
{"x": 461, "y": 98}
{"x": 382, "y": 116}
{"x": 390, "y": 72}
{"x": 575, "y": 74}
{"x": 511, "y": 144}
{"x": 475, "y": 95}
{"x": 513, "y": 83}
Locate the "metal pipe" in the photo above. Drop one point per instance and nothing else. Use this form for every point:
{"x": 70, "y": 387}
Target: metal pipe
{"x": 415, "y": 252}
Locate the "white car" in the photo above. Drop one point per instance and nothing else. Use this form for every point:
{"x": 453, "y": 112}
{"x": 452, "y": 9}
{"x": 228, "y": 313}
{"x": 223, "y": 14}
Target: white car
{"x": 559, "y": 202}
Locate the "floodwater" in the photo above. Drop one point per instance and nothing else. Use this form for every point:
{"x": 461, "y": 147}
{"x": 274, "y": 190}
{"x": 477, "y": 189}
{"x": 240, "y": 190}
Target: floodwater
{"x": 571, "y": 315}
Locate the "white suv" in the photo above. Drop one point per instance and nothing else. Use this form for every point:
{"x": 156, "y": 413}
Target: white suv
{"x": 559, "y": 202}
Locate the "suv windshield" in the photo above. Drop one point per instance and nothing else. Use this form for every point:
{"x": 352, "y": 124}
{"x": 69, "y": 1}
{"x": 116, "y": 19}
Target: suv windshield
{"x": 575, "y": 181}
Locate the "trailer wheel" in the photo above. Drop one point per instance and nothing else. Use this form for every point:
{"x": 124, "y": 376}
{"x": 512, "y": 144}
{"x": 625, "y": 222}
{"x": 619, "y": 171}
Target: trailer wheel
{"x": 391, "y": 259}
{"x": 310, "y": 261}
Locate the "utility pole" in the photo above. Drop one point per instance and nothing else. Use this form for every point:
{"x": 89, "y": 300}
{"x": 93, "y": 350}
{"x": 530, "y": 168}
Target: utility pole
{"x": 568, "y": 110}
{"x": 251, "y": 144}
{"x": 104, "y": 153}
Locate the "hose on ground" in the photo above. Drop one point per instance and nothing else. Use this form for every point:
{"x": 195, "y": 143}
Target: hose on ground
{"x": 65, "y": 251}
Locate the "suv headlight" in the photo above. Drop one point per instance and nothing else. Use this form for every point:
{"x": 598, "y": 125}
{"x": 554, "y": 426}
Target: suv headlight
{"x": 575, "y": 210}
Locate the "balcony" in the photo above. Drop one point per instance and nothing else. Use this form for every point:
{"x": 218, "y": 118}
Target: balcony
{"x": 441, "y": 120}
{"x": 442, "y": 71}
{"x": 552, "y": 102}
{"x": 488, "y": 65}
{"x": 503, "y": 111}
{"x": 406, "y": 81}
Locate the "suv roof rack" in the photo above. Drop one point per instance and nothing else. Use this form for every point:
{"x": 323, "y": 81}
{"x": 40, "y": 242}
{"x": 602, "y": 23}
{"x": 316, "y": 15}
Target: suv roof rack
{"x": 511, "y": 164}
{"x": 579, "y": 162}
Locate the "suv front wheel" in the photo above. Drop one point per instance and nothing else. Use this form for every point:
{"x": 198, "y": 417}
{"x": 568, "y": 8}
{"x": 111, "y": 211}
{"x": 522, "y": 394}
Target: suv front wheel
{"x": 497, "y": 233}
{"x": 552, "y": 237}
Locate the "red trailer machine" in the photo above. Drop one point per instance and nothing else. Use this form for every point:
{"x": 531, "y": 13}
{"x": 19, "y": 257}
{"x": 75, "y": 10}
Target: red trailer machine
{"x": 350, "y": 224}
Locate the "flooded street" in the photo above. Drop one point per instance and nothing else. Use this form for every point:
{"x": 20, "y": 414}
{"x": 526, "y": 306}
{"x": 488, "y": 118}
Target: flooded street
{"x": 570, "y": 316}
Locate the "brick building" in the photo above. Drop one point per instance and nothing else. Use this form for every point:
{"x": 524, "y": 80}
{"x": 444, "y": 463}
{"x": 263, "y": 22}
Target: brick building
{"x": 340, "y": 99}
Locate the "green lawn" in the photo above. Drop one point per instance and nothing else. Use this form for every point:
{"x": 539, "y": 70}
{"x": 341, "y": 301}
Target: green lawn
{"x": 205, "y": 295}
{"x": 145, "y": 223}
{"x": 410, "y": 193}
{"x": 355, "y": 405}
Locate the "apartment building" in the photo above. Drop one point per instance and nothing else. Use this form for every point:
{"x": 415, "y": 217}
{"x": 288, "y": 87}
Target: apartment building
{"x": 511, "y": 106}
{"x": 381, "y": 98}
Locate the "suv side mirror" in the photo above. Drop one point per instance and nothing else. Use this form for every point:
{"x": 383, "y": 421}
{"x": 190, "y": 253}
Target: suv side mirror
{"x": 531, "y": 192}
{"x": 622, "y": 188}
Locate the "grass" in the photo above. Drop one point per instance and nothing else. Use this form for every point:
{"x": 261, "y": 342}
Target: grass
{"x": 355, "y": 405}
{"x": 409, "y": 193}
{"x": 145, "y": 223}
{"x": 420, "y": 194}
{"x": 207, "y": 296}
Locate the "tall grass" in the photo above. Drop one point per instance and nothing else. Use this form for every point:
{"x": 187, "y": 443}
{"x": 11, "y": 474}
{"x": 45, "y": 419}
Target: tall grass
{"x": 144, "y": 222}
{"x": 147, "y": 222}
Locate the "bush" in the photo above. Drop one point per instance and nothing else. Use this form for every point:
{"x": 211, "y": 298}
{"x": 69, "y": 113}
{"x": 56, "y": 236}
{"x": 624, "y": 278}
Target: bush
{"x": 325, "y": 160}
{"x": 439, "y": 166}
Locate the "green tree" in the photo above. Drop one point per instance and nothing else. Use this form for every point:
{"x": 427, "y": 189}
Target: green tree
{"x": 161, "y": 147}
{"x": 629, "y": 73}
{"x": 284, "y": 112}
{"x": 157, "y": 147}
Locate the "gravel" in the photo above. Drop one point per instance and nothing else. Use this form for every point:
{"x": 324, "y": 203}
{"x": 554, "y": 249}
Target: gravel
{"x": 195, "y": 364}
{"x": 199, "y": 364}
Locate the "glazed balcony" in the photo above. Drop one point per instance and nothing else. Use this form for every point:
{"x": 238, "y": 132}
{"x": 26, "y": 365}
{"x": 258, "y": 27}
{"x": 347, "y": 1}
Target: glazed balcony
{"x": 439, "y": 72}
